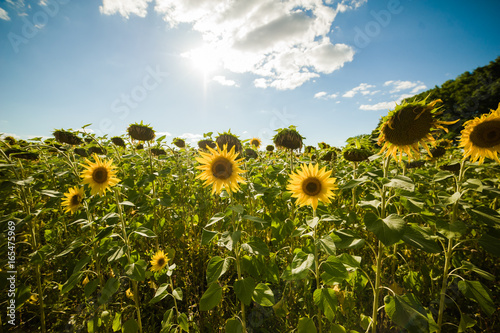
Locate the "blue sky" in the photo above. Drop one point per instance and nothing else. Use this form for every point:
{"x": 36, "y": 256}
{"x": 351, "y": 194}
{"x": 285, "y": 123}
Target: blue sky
{"x": 332, "y": 68}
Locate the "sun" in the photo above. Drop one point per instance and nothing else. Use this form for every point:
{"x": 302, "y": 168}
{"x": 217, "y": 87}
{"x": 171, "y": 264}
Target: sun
{"x": 205, "y": 59}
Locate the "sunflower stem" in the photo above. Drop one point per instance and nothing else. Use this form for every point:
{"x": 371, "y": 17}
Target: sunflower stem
{"x": 316, "y": 270}
{"x": 449, "y": 251}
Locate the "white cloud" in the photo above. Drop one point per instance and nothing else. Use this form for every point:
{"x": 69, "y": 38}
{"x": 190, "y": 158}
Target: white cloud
{"x": 225, "y": 82}
{"x": 378, "y": 106}
{"x": 4, "y": 15}
{"x": 158, "y": 134}
{"x": 324, "y": 95}
{"x": 362, "y": 88}
{"x": 191, "y": 137}
{"x": 399, "y": 85}
{"x": 284, "y": 43}
{"x": 125, "y": 7}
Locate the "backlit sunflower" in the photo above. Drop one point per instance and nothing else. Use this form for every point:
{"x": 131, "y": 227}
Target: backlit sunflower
{"x": 158, "y": 261}
{"x": 408, "y": 125}
{"x": 310, "y": 184}
{"x": 73, "y": 199}
{"x": 481, "y": 137}
{"x": 220, "y": 168}
{"x": 99, "y": 175}
{"x": 256, "y": 142}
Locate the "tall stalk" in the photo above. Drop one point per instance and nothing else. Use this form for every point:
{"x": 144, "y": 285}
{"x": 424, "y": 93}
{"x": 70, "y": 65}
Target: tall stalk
{"x": 449, "y": 251}
{"x": 316, "y": 271}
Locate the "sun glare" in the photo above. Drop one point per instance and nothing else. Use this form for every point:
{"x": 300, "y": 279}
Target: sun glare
{"x": 205, "y": 59}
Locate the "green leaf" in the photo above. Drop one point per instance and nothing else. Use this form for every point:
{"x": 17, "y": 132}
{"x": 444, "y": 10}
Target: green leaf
{"x": 233, "y": 325}
{"x": 80, "y": 264}
{"x": 261, "y": 222}
{"x": 401, "y": 182}
{"x": 207, "y": 236}
{"x": 216, "y": 218}
{"x": 473, "y": 184}
{"x": 160, "y": 294}
{"x": 312, "y": 222}
{"x": 327, "y": 245}
{"x": 474, "y": 290}
{"x": 487, "y": 216}
{"x": 72, "y": 281}
{"x": 130, "y": 326}
{"x": 490, "y": 244}
{"x": 178, "y": 294}
{"x": 53, "y": 194}
{"x": 117, "y": 321}
{"x": 237, "y": 209}
{"x": 183, "y": 322}
{"x": 465, "y": 323}
{"x": 144, "y": 232}
{"x": 352, "y": 183}
{"x": 263, "y": 295}
{"x": 244, "y": 289}
{"x": 117, "y": 254}
{"x": 299, "y": 268}
{"x": 349, "y": 239}
{"x": 470, "y": 266}
{"x": 111, "y": 287}
{"x": 216, "y": 268}
{"x": 326, "y": 300}
{"x": 336, "y": 328}
{"x": 389, "y": 230}
{"x": 22, "y": 294}
{"x": 211, "y": 297}
{"x": 421, "y": 239}
{"x": 137, "y": 270}
{"x": 256, "y": 246}
{"x": 442, "y": 175}
{"x": 306, "y": 325}
{"x": 372, "y": 203}
{"x": 228, "y": 239}
{"x": 90, "y": 287}
{"x": 334, "y": 271}
{"x": 349, "y": 261}
{"x": 127, "y": 203}
{"x": 407, "y": 312}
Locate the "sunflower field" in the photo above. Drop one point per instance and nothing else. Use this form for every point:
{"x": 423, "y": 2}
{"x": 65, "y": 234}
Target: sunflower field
{"x": 137, "y": 234}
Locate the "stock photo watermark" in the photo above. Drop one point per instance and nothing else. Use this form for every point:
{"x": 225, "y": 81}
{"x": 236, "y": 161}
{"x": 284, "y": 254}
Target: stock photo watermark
{"x": 373, "y": 28}
{"x": 34, "y": 23}
{"x": 122, "y": 105}
{"x": 280, "y": 119}
{"x": 11, "y": 273}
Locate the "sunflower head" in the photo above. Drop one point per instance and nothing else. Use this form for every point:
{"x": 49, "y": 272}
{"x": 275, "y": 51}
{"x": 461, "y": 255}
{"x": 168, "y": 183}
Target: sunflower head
{"x": 250, "y": 153}
{"x": 141, "y": 132}
{"x": 140, "y": 146}
{"x": 159, "y": 261}
{"x": 407, "y": 126}
{"x": 73, "y": 199}
{"x": 323, "y": 145}
{"x": 309, "y": 150}
{"x": 205, "y": 143}
{"x": 288, "y": 138}
{"x": 118, "y": 141}
{"x": 481, "y": 137}
{"x": 229, "y": 140}
{"x": 220, "y": 168}
{"x": 256, "y": 142}
{"x": 67, "y": 137}
{"x": 311, "y": 184}
{"x": 158, "y": 151}
{"x": 269, "y": 148}
{"x": 329, "y": 155}
{"x": 179, "y": 142}
{"x": 81, "y": 152}
{"x": 22, "y": 154}
{"x": 99, "y": 175}
{"x": 356, "y": 154}
{"x": 97, "y": 150}
{"x": 10, "y": 140}
{"x": 414, "y": 164}
{"x": 453, "y": 167}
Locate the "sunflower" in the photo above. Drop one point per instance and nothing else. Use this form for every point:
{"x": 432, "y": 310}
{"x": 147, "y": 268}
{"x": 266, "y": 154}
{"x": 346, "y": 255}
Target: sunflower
{"x": 408, "y": 125}
{"x": 309, "y": 185}
{"x": 288, "y": 138}
{"x": 220, "y": 168}
{"x": 129, "y": 293}
{"x": 141, "y": 132}
{"x": 73, "y": 199}
{"x": 159, "y": 261}
{"x": 99, "y": 175}
{"x": 481, "y": 137}
{"x": 256, "y": 142}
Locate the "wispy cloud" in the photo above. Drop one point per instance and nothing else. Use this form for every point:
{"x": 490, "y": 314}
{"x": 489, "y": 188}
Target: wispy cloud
{"x": 363, "y": 89}
{"x": 285, "y": 43}
{"x": 378, "y": 106}
{"x": 4, "y": 15}
{"x": 225, "y": 82}
{"x": 398, "y": 86}
{"x": 191, "y": 137}
{"x": 325, "y": 95}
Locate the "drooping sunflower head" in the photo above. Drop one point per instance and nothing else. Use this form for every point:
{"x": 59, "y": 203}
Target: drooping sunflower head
{"x": 229, "y": 140}
{"x": 269, "y": 148}
{"x": 141, "y": 132}
{"x": 67, "y": 137}
{"x": 407, "y": 126}
{"x": 311, "y": 184}
{"x": 10, "y": 140}
{"x": 309, "y": 150}
{"x": 288, "y": 138}
{"x": 481, "y": 137}
{"x": 356, "y": 154}
{"x": 97, "y": 150}
{"x": 73, "y": 199}
{"x": 221, "y": 168}
{"x": 250, "y": 153}
{"x": 99, "y": 175}
{"x": 159, "y": 261}
{"x": 118, "y": 141}
{"x": 158, "y": 151}
{"x": 205, "y": 143}
{"x": 256, "y": 142}
{"x": 329, "y": 155}
{"x": 179, "y": 142}
{"x": 81, "y": 152}
{"x": 323, "y": 145}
